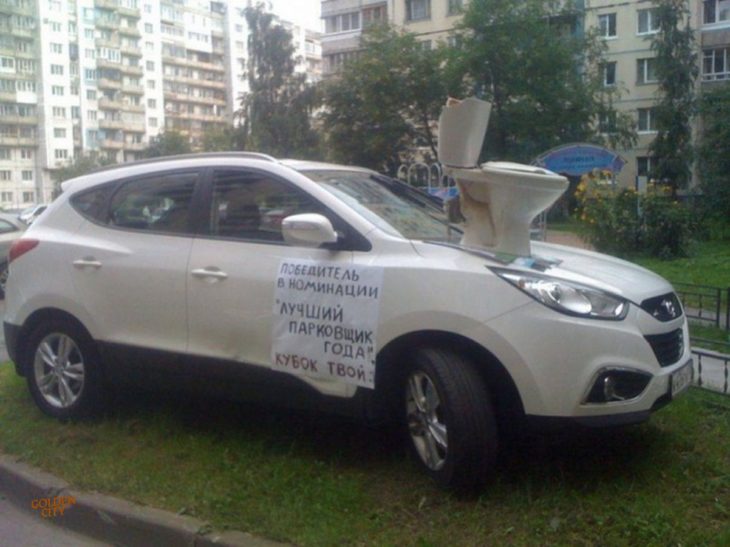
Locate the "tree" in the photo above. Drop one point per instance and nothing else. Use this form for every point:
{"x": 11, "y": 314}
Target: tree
{"x": 676, "y": 69}
{"x": 169, "y": 143}
{"x": 385, "y": 101}
{"x": 80, "y": 165}
{"x": 714, "y": 164}
{"x": 277, "y": 110}
{"x": 222, "y": 139}
{"x": 542, "y": 76}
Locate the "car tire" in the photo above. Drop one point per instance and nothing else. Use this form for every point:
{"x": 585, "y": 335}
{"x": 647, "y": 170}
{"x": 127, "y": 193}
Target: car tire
{"x": 449, "y": 419}
{"x": 4, "y": 271}
{"x": 63, "y": 370}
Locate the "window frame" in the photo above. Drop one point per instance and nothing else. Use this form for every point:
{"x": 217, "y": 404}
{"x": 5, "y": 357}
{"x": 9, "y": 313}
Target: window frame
{"x": 605, "y": 72}
{"x": 650, "y": 119}
{"x": 644, "y": 63}
{"x": 651, "y": 21}
{"x": 409, "y": 11}
{"x": 605, "y": 33}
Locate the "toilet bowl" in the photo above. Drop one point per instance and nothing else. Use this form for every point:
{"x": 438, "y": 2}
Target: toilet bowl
{"x": 499, "y": 200}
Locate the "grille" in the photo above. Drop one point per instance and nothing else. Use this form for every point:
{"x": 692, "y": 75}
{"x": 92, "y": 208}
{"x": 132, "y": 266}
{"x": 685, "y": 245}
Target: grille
{"x": 667, "y": 347}
{"x": 664, "y": 308}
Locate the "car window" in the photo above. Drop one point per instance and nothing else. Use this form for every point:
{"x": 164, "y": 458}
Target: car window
{"x": 251, "y": 206}
{"x": 6, "y": 227}
{"x": 161, "y": 203}
{"x": 92, "y": 203}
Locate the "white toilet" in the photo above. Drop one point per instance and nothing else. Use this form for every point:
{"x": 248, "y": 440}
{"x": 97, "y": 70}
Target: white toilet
{"x": 498, "y": 199}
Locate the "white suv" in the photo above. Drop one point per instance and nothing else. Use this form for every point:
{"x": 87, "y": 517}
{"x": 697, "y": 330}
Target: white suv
{"x": 340, "y": 287}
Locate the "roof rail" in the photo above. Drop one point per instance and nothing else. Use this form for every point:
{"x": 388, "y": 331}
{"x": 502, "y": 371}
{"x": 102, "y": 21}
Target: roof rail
{"x": 198, "y": 155}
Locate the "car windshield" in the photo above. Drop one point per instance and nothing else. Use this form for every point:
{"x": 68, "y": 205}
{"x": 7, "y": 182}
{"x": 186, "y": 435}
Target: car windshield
{"x": 391, "y": 205}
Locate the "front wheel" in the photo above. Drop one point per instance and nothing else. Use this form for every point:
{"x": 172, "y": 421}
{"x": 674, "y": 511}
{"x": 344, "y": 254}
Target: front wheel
{"x": 449, "y": 419}
{"x": 62, "y": 370}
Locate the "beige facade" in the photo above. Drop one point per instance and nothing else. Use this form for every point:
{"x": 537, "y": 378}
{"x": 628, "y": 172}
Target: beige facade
{"x": 626, "y": 26}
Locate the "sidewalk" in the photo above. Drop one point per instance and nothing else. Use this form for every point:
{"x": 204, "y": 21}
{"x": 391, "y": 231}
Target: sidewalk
{"x": 110, "y": 520}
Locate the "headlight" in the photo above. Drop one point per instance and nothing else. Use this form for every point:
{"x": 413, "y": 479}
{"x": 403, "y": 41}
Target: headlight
{"x": 566, "y": 296}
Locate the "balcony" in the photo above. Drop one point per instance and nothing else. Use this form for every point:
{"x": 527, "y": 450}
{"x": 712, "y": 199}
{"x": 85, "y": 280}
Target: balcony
{"x": 109, "y": 143}
{"x": 108, "y": 104}
{"x": 8, "y": 96}
{"x": 169, "y": 95}
{"x": 20, "y": 120}
{"x": 16, "y": 10}
{"x": 132, "y": 107}
{"x": 106, "y": 63}
{"x": 201, "y": 83}
{"x": 131, "y": 127}
{"x": 131, "y": 51}
{"x": 112, "y": 44}
{"x": 196, "y": 117}
{"x": 128, "y": 12}
{"x": 130, "y": 31}
{"x": 135, "y": 146}
{"x": 106, "y": 83}
{"x": 18, "y": 141}
{"x": 111, "y": 23}
{"x": 106, "y": 4}
{"x": 133, "y": 70}
{"x": 133, "y": 89}
{"x": 112, "y": 124}
{"x": 22, "y": 32}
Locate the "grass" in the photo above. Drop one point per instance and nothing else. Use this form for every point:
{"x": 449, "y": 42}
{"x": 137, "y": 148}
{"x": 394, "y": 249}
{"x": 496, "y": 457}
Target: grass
{"x": 709, "y": 265}
{"x": 315, "y": 480}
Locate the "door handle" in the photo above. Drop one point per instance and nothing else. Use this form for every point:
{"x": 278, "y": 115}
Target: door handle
{"x": 209, "y": 273}
{"x": 88, "y": 262}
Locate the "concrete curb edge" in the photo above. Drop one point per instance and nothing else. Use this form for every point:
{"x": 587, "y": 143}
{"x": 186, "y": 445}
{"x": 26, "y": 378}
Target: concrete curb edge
{"x": 110, "y": 519}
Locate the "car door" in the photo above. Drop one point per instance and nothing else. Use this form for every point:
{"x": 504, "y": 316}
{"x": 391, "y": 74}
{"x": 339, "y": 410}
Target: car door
{"x": 233, "y": 267}
{"x": 130, "y": 259}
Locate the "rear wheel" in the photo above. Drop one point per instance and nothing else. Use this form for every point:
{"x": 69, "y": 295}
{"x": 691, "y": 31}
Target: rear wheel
{"x": 62, "y": 370}
{"x": 449, "y": 419}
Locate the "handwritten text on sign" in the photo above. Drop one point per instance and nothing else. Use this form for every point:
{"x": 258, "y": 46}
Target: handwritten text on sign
{"x": 326, "y": 319}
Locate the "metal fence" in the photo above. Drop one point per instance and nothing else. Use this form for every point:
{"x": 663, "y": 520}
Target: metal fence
{"x": 711, "y": 368}
{"x": 705, "y": 304}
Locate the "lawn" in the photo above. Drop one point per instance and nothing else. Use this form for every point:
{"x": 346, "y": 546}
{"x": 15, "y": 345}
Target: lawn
{"x": 316, "y": 480}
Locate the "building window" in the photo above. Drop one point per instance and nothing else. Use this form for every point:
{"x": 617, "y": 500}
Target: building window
{"x": 607, "y": 24}
{"x": 26, "y": 175}
{"x": 91, "y": 94}
{"x": 153, "y": 122}
{"x": 609, "y": 74}
{"x": 6, "y": 196}
{"x": 6, "y": 175}
{"x": 646, "y": 71}
{"x": 55, "y": 27}
{"x": 56, "y": 48}
{"x": 90, "y": 74}
{"x": 150, "y": 84}
{"x": 91, "y": 115}
{"x": 59, "y": 112}
{"x": 648, "y": 23}
{"x": 57, "y": 70}
{"x": 418, "y": 9}
{"x": 57, "y": 90}
{"x": 716, "y": 11}
{"x": 425, "y": 45}
{"x": 60, "y": 154}
{"x": 644, "y": 165}
{"x": 148, "y": 28}
{"x": 59, "y": 132}
{"x": 647, "y": 120}
{"x": 455, "y": 7}
{"x": 150, "y": 65}
{"x": 715, "y": 64}
{"x": 28, "y": 197}
{"x": 26, "y": 154}
{"x": 342, "y": 22}
{"x": 151, "y": 103}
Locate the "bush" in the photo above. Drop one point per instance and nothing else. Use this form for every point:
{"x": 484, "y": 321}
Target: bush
{"x": 624, "y": 222}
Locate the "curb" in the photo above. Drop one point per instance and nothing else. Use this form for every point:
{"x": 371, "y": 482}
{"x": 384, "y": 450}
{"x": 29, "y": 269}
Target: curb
{"x": 110, "y": 519}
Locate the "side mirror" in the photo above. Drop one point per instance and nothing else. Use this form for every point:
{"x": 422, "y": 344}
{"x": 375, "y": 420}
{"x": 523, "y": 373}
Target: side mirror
{"x": 308, "y": 230}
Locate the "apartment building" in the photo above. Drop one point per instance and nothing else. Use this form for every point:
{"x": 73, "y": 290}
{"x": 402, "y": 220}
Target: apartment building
{"x": 104, "y": 76}
{"x": 627, "y": 27}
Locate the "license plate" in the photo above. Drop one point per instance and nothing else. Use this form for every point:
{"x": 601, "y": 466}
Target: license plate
{"x": 681, "y": 379}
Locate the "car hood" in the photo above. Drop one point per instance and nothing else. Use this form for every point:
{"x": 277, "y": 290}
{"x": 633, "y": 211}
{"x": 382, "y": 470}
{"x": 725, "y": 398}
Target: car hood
{"x": 597, "y": 270}
{"x": 605, "y": 272}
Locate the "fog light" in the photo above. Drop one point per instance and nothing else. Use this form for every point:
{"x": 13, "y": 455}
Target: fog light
{"x": 612, "y": 385}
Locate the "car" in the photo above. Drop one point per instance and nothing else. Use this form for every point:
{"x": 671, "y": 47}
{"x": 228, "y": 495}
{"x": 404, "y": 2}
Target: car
{"x": 10, "y": 230}
{"x": 29, "y": 214}
{"x": 363, "y": 300}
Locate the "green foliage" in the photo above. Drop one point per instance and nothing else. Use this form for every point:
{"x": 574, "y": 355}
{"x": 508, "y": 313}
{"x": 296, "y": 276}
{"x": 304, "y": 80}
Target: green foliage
{"x": 80, "y": 165}
{"x": 623, "y": 222}
{"x": 676, "y": 68}
{"x": 526, "y": 58}
{"x": 278, "y": 109}
{"x": 714, "y": 164}
{"x": 168, "y": 143}
{"x": 222, "y": 139}
{"x": 385, "y": 101}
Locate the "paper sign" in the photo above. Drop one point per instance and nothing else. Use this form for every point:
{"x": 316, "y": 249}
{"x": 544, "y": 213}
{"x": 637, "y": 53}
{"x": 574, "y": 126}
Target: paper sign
{"x": 326, "y": 320}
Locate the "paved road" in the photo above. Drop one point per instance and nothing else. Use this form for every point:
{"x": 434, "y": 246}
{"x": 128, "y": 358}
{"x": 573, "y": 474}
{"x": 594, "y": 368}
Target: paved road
{"x": 25, "y": 529}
